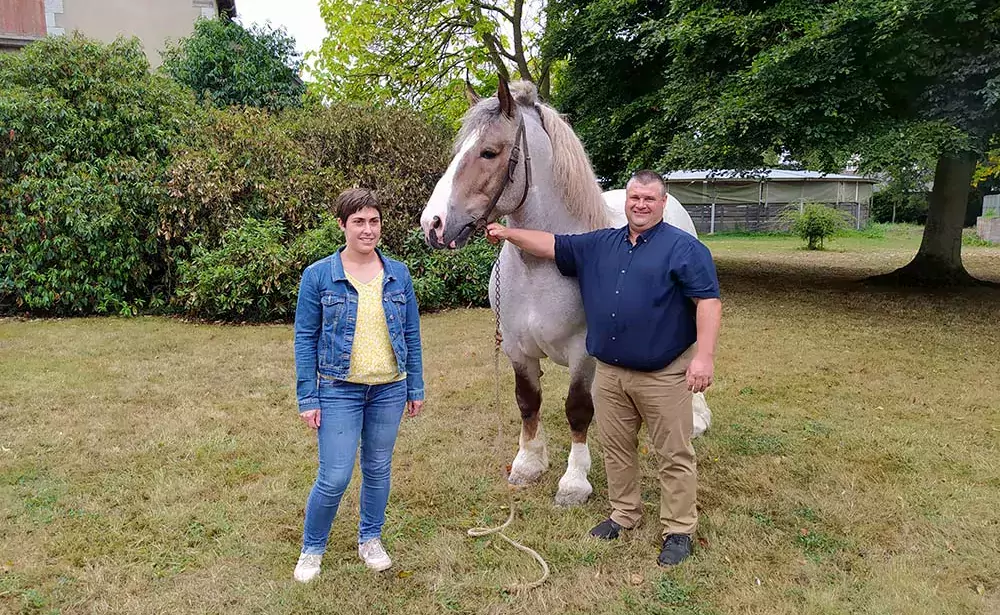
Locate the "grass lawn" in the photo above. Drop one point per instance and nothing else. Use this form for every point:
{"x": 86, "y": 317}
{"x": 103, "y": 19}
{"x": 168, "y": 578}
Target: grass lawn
{"x": 150, "y": 465}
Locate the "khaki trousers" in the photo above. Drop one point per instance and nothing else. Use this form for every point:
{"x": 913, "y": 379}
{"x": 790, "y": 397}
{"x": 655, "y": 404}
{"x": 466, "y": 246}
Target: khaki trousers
{"x": 623, "y": 399}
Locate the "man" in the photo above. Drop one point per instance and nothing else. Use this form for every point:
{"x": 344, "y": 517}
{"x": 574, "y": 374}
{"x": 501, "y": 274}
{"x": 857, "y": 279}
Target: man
{"x": 651, "y": 298}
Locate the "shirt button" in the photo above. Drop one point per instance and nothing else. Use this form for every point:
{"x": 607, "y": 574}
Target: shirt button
{"x": 616, "y": 292}
{"x": 612, "y": 314}
{"x": 623, "y": 271}
{"x": 613, "y": 338}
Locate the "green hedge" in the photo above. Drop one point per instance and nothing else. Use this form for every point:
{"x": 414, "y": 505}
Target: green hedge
{"x": 85, "y": 131}
{"x": 120, "y": 193}
{"x": 291, "y": 166}
{"x": 253, "y": 275}
{"x": 446, "y": 279}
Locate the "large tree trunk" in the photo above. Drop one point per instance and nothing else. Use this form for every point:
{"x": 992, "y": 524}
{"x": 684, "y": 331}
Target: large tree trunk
{"x": 939, "y": 260}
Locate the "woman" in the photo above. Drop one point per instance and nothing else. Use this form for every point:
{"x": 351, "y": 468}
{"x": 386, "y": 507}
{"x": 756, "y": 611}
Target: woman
{"x": 358, "y": 367}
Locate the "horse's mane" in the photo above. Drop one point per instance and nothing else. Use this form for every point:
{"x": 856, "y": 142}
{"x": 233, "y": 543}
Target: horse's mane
{"x": 571, "y": 168}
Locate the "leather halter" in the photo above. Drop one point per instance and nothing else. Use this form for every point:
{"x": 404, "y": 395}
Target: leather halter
{"x": 520, "y": 138}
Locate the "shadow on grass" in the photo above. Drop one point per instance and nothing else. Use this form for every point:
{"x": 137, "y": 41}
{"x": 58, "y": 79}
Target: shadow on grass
{"x": 836, "y": 289}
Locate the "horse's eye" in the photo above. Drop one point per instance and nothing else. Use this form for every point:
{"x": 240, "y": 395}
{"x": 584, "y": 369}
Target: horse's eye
{"x": 487, "y": 154}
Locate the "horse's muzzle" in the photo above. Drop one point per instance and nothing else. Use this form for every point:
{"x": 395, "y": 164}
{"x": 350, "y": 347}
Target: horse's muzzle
{"x": 450, "y": 239}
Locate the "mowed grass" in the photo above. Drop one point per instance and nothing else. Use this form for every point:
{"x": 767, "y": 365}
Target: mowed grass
{"x": 156, "y": 466}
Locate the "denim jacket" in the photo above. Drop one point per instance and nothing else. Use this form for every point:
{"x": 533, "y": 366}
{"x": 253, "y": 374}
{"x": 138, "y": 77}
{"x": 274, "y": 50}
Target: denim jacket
{"x": 325, "y": 318}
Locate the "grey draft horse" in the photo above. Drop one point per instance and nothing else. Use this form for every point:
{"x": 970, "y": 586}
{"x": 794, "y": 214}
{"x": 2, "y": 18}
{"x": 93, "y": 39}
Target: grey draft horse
{"x": 516, "y": 157}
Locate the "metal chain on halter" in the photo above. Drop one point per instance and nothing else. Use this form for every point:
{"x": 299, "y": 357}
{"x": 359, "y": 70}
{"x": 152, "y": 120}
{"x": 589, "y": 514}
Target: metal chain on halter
{"x": 485, "y": 531}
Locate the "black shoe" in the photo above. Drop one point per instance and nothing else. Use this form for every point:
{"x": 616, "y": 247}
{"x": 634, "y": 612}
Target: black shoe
{"x": 606, "y": 530}
{"x": 676, "y": 549}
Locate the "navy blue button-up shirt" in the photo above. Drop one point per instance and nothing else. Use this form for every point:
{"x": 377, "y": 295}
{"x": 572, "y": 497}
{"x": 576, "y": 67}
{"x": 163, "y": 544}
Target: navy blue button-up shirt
{"x": 637, "y": 298}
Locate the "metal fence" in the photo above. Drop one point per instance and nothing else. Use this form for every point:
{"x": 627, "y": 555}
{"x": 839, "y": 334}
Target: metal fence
{"x": 761, "y": 217}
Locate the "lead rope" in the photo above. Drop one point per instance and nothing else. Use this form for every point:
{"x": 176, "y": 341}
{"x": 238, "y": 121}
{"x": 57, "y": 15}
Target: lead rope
{"x": 477, "y": 532}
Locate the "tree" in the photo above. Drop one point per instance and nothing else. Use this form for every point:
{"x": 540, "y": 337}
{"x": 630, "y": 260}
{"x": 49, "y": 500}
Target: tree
{"x": 817, "y": 80}
{"x": 229, "y": 65}
{"x": 610, "y": 85}
{"x": 422, "y": 52}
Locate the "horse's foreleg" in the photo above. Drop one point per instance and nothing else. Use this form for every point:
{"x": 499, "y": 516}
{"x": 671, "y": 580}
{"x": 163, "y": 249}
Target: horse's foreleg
{"x": 574, "y": 486}
{"x": 532, "y": 456}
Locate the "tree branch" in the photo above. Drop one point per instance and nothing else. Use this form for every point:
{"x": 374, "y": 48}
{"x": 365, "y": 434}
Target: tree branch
{"x": 445, "y": 28}
{"x": 522, "y": 63}
{"x": 492, "y": 49}
{"x": 495, "y": 9}
{"x": 501, "y": 50}
{"x": 544, "y": 83}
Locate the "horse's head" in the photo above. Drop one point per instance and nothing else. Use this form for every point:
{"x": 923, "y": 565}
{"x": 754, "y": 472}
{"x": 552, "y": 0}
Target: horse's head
{"x": 489, "y": 176}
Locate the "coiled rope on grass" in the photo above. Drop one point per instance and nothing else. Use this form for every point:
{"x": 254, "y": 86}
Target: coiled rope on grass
{"x": 478, "y": 532}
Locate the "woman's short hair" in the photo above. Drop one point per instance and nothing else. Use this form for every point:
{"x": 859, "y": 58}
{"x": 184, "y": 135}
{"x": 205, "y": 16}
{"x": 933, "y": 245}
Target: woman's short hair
{"x": 353, "y": 200}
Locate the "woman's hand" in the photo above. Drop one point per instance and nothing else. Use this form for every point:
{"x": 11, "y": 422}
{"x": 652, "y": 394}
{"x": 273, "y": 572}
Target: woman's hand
{"x": 310, "y": 418}
{"x": 414, "y": 407}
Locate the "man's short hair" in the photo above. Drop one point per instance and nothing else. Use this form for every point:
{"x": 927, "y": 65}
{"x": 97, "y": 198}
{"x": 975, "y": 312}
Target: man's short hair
{"x": 646, "y": 177}
{"x": 353, "y": 200}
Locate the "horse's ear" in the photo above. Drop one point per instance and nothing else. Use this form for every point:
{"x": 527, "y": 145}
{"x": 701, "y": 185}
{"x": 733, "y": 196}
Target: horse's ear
{"x": 470, "y": 94}
{"x": 506, "y": 100}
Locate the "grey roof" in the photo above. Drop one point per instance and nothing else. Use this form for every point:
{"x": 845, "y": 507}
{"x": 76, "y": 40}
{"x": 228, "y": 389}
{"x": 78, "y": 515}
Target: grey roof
{"x": 731, "y": 175}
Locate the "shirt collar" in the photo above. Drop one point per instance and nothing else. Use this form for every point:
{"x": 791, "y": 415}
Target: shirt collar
{"x": 337, "y": 268}
{"x": 645, "y": 237}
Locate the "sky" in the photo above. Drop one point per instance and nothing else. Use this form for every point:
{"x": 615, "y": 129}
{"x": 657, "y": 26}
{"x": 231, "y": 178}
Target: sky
{"x": 299, "y": 17}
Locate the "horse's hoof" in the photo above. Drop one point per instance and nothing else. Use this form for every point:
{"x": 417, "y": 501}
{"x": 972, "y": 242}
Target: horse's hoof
{"x": 573, "y": 492}
{"x": 529, "y": 464}
{"x": 521, "y": 477}
{"x": 573, "y": 498}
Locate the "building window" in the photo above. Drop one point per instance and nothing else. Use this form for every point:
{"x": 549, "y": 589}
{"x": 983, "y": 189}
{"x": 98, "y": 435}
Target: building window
{"x": 21, "y": 21}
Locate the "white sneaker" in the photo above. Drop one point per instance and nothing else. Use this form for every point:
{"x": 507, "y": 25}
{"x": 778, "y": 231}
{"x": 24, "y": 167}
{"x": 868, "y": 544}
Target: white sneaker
{"x": 308, "y": 567}
{"x": 374, "y": 555}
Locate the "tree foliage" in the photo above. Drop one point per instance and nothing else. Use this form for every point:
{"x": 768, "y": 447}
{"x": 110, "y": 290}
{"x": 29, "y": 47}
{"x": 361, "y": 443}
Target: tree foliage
{"x": 610, "y": 88}
{"x": 725, "y": 83}
{"x": 421, "y": 52}
{"x": 988, "y": 170}
{"x": 229, "y": 65}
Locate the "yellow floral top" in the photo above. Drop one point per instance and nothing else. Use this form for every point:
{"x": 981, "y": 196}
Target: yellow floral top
{"x": 372, "y": 359}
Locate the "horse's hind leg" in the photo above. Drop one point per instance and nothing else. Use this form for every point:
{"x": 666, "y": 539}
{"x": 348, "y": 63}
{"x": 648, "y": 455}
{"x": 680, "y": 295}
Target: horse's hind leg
{"x": 532, "y": 456}
{"x": 574, "y": 486}
{"x": 702, "y": 414}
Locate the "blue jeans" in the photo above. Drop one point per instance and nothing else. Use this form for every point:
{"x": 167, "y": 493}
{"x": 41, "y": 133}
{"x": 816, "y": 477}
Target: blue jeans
{"x": 352, "y": 413}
